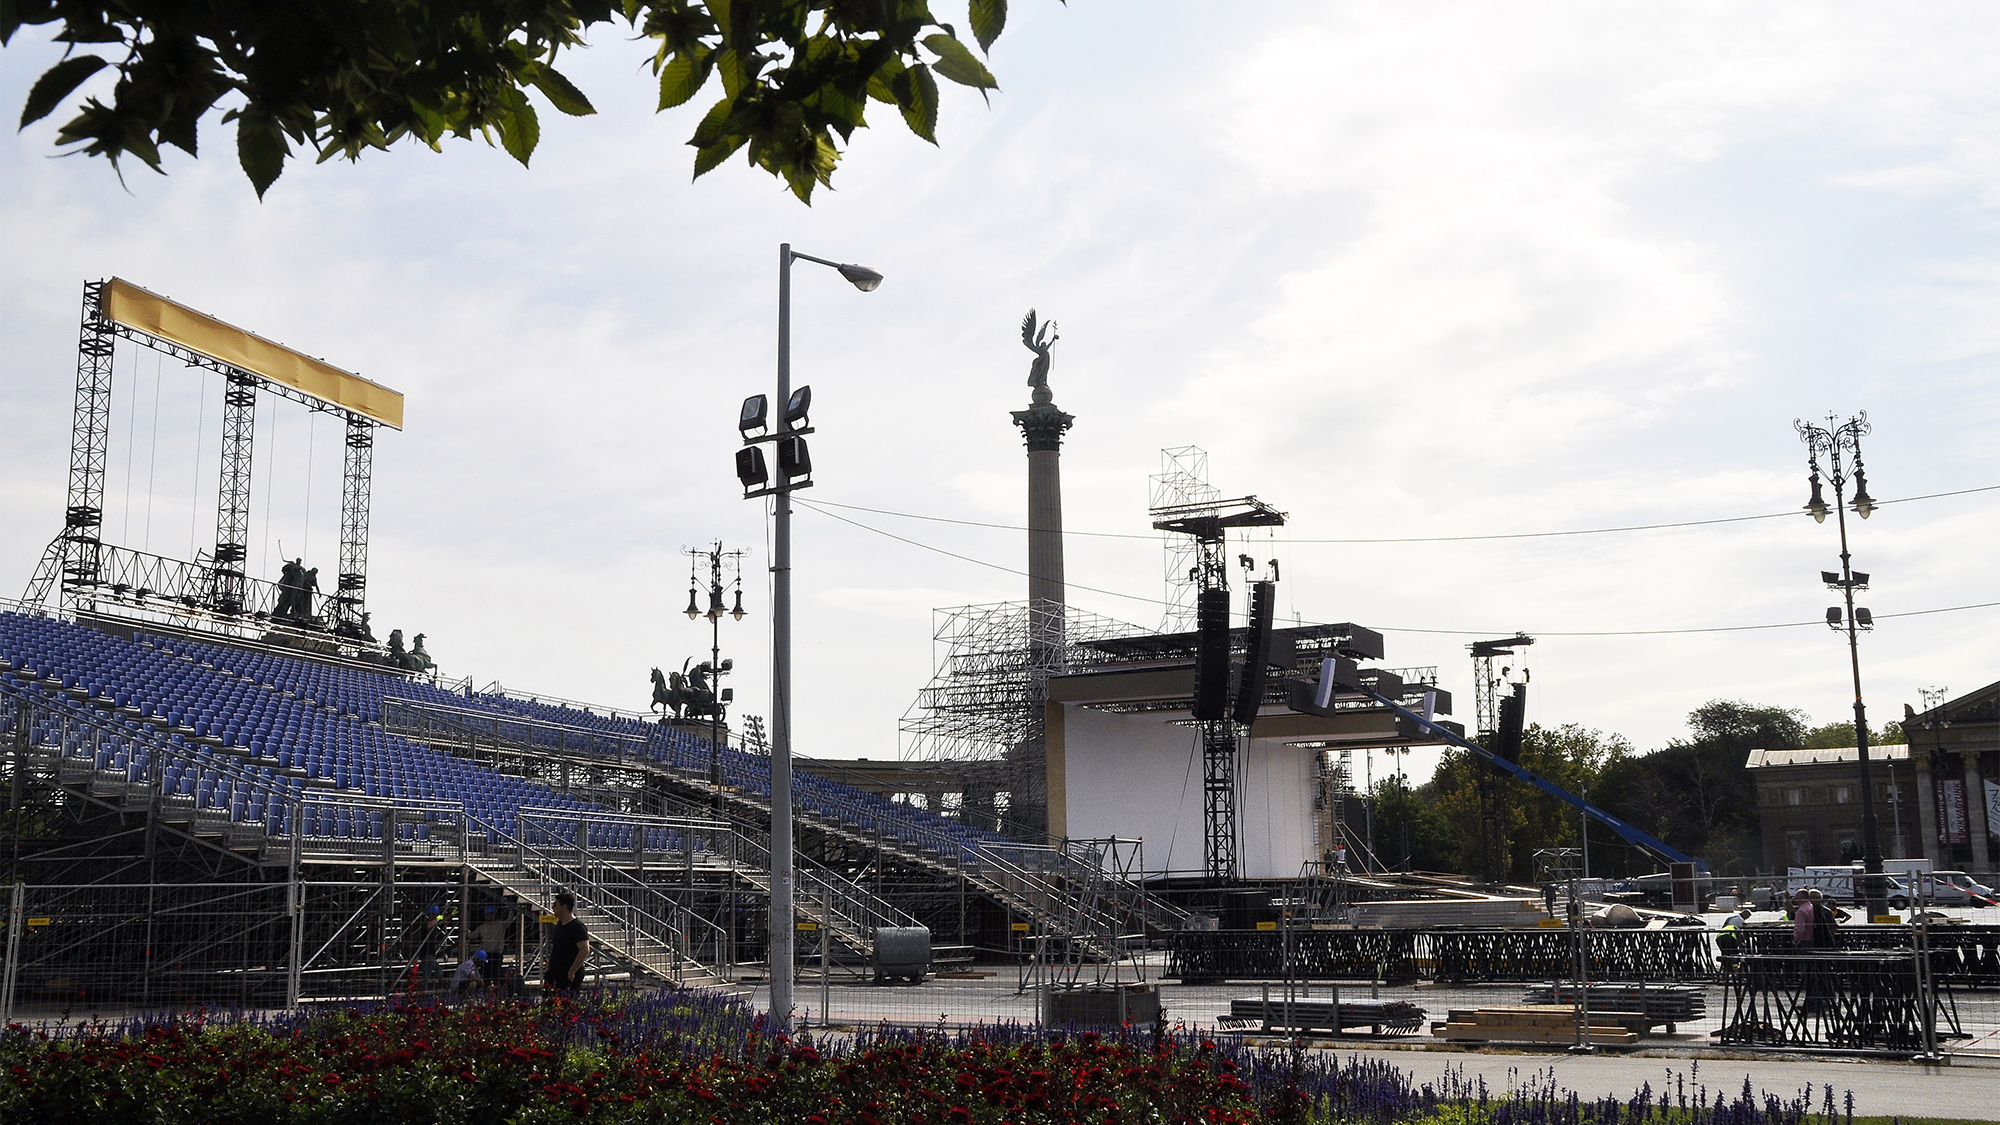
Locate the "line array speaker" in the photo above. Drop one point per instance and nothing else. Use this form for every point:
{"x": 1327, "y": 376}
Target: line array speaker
{"x": 1211, "y": 662}
{"x": 1257, "y": 654}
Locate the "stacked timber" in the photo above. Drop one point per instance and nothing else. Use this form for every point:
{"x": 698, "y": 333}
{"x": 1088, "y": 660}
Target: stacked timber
{"x": 1531, "y": 1023}
{"x": 1324, "y": 1013}
{"x": 1669, "y": 1004}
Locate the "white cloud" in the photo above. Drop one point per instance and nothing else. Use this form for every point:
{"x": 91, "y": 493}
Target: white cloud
{"x": 1429, "y": 269}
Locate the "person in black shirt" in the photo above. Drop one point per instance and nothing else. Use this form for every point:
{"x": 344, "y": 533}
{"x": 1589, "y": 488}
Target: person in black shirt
{"x": 569, "y": 948}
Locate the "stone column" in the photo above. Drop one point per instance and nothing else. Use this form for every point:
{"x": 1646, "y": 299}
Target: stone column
{"x": 1975, "y": 813}
{"x": 1925, "y": 798}
{"x": 1042, "y": 427}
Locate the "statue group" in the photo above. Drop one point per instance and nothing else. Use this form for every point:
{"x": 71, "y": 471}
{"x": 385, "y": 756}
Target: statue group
{"x": 414, "y": 660}
{"x": 687, "y": 694}
{"x": 296, "y": 587}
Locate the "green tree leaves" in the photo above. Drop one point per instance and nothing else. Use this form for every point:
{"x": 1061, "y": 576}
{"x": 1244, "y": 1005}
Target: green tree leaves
{"x": 57, "y": 83}
{"x": 343, "y": 76}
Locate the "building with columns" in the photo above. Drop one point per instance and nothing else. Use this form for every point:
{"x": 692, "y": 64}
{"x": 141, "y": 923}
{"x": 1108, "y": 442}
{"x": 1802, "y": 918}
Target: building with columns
{"x": 1955, "y": 748}
{"x": 1937, "y": 798}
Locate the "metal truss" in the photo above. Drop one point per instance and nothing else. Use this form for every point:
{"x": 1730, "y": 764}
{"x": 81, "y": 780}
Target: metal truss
{"x": 232, "y": 499}
{"x": 1218, "y": 797}
{"x": 73, "y": 557}
{"x": 1182, "y": 480}
{"x": 75, "y": 562}
{"x": 351, "y": 595}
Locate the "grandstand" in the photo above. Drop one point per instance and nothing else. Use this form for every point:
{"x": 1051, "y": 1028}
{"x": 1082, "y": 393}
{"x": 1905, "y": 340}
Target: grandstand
{"x": 303, "y": 770}
{"x": 222, "y": 788}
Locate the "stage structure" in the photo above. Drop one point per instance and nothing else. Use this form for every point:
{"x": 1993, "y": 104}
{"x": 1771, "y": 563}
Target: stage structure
{"x": 1500, "y": 719}
{"x": 89, "y": 574}
{"x": 1208, "y": 524}
{"x": 1123, "y": 749}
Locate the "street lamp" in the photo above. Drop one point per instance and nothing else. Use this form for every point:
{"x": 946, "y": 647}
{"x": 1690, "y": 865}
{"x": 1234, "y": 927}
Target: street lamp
{"x": 717, "y": 666}
{"x": 794, "y": 471}
{"x": 1832, "y": 441}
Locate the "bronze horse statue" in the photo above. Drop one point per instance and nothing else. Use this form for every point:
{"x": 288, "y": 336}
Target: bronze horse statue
{"x": 685, "y": 694}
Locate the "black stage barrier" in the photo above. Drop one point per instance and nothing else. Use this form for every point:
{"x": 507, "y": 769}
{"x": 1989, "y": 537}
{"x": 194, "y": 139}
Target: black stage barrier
{"x": 1842, "y": 999}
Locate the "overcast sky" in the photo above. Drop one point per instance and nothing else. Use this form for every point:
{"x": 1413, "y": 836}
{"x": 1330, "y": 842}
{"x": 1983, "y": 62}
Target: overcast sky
{"x": 1404, "y": 270}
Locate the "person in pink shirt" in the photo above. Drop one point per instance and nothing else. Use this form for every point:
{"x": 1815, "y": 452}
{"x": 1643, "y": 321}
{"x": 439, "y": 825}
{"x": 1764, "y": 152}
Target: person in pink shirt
{"x": 1802, "y": 921}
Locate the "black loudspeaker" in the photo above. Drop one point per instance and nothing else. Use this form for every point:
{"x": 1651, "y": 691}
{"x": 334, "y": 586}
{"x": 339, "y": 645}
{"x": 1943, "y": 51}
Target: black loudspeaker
{"x": 1513, "y": 717}
{"x": 1211, "y": 660}
{"x": 1257, "y": 654}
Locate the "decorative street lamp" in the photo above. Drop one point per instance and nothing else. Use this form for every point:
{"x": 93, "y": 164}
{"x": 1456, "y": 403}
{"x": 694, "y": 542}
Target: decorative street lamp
{"x": 717, "y": 666}
{"x": 793, "y": 472}
{"x": 1840, "y": 444}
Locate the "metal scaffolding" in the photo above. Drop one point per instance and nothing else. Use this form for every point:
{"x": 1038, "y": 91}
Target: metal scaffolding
{"x": 985, "y": 700}
{"x": 1182, "y": 481}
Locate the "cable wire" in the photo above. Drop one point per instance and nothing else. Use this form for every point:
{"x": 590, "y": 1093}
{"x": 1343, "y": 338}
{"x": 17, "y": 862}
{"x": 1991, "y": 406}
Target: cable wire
{"x": 814, "y": 505}
{"x": 1416, "y": 538}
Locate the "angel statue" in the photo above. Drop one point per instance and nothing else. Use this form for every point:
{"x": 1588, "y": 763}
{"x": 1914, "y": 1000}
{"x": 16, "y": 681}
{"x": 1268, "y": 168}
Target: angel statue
{"x": 1039, "y": 342}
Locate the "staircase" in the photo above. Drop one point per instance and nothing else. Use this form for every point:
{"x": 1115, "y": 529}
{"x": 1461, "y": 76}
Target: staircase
{"x": 641, "y": 944}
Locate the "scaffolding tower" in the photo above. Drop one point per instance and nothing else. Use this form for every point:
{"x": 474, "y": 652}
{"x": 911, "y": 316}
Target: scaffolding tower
{"x": 1181, "y": 482}
{"x": 985, "y": 699}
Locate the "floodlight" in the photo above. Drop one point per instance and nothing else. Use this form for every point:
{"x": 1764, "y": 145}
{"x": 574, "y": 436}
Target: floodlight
{"x": 728, "y": 695}
{"x": 750, "y": 467}
{"x": 793, "y": 459}
{"x": 1833, "y": 616}
{"x": 728, "y": 663}
{"x": 755, "y": 410}
{"x": 1829, "y": 577}
{"x": 1863, "y": 617}
{"x": 863, "y": 278}
{"x": 1860, "y": 578}
{"x": 797, "y": 407}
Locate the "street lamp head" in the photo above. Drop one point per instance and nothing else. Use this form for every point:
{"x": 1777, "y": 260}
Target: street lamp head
{"x": 863, "y": 278}
{"x": 738, "y": 611}
{"x": 1863, "y": 503}
{"x": 693, "y": 611}
{"x": 1816, "y": 505}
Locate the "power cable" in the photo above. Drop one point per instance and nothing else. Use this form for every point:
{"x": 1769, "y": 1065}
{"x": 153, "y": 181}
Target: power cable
{"x": 814, "y": 505}
{"x": 1416, "y": 538}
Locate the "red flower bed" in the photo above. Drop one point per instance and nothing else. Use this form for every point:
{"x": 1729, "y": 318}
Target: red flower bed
{"x": 508, "y": 1062}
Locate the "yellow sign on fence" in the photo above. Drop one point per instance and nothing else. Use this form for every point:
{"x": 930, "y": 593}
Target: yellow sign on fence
{"x": 548, "y": 918}
{"x": 1267, "y": 925}
{"x": 1020, "y": 927}
{"x": 39, "y": 921}
{"x": 808, "y": 925}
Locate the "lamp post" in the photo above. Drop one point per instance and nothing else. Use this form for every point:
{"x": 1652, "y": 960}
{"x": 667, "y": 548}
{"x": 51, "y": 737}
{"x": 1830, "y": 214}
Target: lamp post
{"x": 794, "y": 471}
{"x": 1840, "y": 443}
{"x": 717, "y": 667}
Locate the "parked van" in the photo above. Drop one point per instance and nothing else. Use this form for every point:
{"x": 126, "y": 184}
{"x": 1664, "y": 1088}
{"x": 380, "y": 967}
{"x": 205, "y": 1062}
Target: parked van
{"x": 1940, "y": 888}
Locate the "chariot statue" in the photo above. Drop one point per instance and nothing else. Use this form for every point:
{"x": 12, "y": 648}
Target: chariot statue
{"x": 686, "y": 693}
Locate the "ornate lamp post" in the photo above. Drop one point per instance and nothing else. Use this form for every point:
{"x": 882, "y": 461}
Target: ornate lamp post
{"x": 793, "y": 472}
{"x": 1840, "y": 444}
{"x": 717, "y": 666}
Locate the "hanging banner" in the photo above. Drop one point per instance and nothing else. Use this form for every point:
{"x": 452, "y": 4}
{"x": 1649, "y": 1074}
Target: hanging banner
{"x": 1992, "y": 809}
{"x": 1952, "y": 814}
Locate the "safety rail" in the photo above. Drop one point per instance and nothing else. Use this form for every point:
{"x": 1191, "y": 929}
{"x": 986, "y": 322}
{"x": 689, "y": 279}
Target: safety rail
{"x": 428, "y": 719}
{"x": 613, "y": 900}
{"x": 94, "y": 748}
